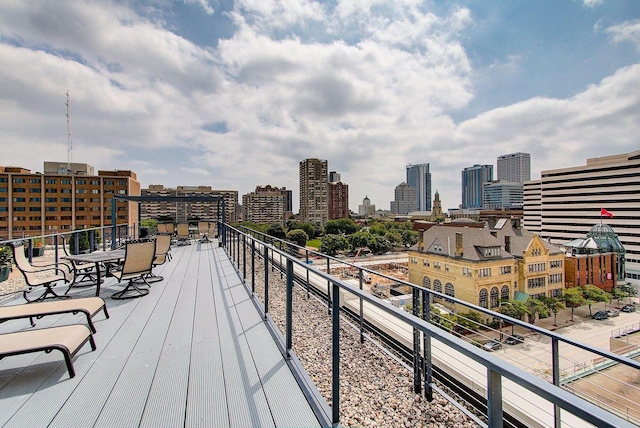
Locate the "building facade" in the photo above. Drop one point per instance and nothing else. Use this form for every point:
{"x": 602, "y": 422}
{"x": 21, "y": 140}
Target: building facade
{"x": 267, "y": 205}
{"x": 532, "y": 205}
{"x": 502, "y": 195}
{"x": 37, "y": 204}
{"x": 514, "y": 167}
{"x": 473, "y": 179}
{"x": 404, "y": 199}
{"x": 367, "y": 208}
{"x": 182, "y": 212}
{"x": 571, "y": 201}
{"x": 314, "y": 191}
{"x": 338, "y": 200}
{"x": 419, "y": 177}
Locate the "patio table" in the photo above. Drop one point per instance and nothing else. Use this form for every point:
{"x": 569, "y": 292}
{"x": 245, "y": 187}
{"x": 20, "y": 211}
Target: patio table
{"x": 98, "y": 257}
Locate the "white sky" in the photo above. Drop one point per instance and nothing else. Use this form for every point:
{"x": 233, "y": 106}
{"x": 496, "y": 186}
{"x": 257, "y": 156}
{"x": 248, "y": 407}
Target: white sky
{"x": 235, "y": 94}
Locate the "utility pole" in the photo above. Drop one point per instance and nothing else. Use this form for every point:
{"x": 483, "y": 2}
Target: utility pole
{"x": 69, "y": 142}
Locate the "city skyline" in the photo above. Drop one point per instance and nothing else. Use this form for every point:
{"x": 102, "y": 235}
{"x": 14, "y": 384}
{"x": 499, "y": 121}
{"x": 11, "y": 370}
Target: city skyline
{"x": 234, "y": 94}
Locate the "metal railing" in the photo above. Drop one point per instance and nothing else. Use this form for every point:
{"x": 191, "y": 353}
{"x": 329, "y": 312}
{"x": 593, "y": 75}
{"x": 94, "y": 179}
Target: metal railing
{"x": 246, "y": 246}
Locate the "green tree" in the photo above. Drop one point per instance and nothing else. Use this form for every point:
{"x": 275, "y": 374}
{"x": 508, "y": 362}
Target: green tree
{"x": 469, "y": 321}
{"x": 308, "y": 228}
{"x": 513, "y": 308}
{"x": 277, "y": 231}
{"x": 573, "y": 298}
{"x": 378, "y": 244}
{"x": 332, "y": 244}
{"x": 409, "y": 238}
{"x": 341, "y": 226}
{"x": 298, "y": 237}
{"x": 554, "y": 305}
{"x": 593, "y": 295}
{"x": 394, "y": 237}
{"x": 359, "y": 239}
{"x": 83, "y": 241}
{"x": 535, "y": 307}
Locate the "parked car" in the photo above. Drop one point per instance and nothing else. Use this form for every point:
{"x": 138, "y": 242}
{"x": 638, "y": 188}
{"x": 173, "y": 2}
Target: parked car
{"x": 492, "y": 345}
{"x": 628, "y": 308}
{"x": 514, "y": 340}
{"x": 613, "y": 314}
{"x": 600, "y": 315}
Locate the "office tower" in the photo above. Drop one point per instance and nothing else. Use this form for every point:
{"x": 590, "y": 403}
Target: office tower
{"x": 38, "y": 204}
{"x": 405, "y": 199}
{"x": 502, "y": 195}
{"x": 334, "y": 177}
{"x": 267, "y": 205}
{"x": 419, "y": 177}
{"x": 314, "y": 198}
{"x": 473, "y": 179}
{"x": 367, "y": 208}
{"x": 338, "y": 200}
{"x": 572, "y": 200}
{"x": 183, "y": 212}
{"x": 514, "y": 167}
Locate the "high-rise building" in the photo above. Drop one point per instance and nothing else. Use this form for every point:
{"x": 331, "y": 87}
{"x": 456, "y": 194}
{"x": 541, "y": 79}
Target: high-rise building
{"x": 334, "y": 177}
{"x": 338, "y": 200}
{"x": 405, "y": 199}
{"x": 267, "y": 205}
{"x": 514, "y": 167}
{"x": 570, "y": 201}
{"x": 182, "y": 212}
{"x": 502, "y": 195}
{"x": 38, "y": 204}
{"x": 419, "y": 177}
{"x": 314, "y": 191}
{"x": 367, "y": 208}
{"x": 473, "y": 179}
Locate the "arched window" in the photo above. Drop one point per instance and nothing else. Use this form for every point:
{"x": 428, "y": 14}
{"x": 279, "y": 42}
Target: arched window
{"x": 426, "y": 282}
{"x": 437, "y": 286}
{"x": 494, "y": 297}
{"x": 449, "y": 291}
{"x": 504, "y": 292}
{"x": 483, "y": 298}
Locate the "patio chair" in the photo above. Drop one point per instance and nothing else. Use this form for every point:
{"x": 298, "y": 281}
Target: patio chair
{"x": 203, "y": 231}
{"x": 83, "y": 272}
{"x": 166, "y": 228}
{"x": 89, "y": 306}
{"x": 41, "y": 275}
{"x": 138, "y": 263}
{"x": 67, "y": 339}
{"x": 163, "y": 253}
{"x": 183, "y": 234}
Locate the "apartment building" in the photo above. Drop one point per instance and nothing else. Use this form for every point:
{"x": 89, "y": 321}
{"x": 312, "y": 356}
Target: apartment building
{"x": 473, "y": 179}
{"x": 50, "y": 202}
{"x": 182, "y": 212}
{"x": 314, "y": 191}
{"x": 404, "y": 199}
{"x": 338, "y": 200}
{"x": 567, "y": 202}
{"x": 267, "y": 205}
{"x": 514, "y": 167}
{"x": 419, "y": 177}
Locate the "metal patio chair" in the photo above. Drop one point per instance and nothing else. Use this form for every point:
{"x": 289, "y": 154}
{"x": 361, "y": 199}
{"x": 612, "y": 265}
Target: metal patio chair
{"x": 138, "y": 263}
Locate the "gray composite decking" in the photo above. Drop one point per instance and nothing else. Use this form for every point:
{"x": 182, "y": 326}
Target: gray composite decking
{"x": 194, "y": 352}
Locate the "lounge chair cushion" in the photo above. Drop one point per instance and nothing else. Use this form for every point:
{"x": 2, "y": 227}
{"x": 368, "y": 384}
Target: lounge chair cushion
{"x": 87, "y": 305}
{"x": 67, "y": 339}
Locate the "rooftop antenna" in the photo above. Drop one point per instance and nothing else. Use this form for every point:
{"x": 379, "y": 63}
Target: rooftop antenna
{"x": 69, "y": 142}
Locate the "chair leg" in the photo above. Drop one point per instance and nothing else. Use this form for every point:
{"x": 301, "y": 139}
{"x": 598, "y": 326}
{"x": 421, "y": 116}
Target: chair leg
{"x": 48, "y": 292}
{"x": 131, "y": 291}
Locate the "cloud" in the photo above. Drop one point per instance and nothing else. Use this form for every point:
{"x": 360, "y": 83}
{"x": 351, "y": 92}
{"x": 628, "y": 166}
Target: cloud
{"x": 626, "y": 32}
{"x": 592, "y": 3}
{"x": 204, "y": 4}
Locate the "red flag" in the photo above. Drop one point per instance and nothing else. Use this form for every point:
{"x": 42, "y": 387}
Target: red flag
{"x": 605, "y": 213}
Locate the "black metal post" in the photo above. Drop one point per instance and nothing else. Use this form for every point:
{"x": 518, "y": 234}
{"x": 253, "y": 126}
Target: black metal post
{"x": 328, "y": 288}
{"x": 335, "y": 355}
{"x": 307, "y": 284}
{"x": 289, "y": 308}
{"x": 417, "y": 378}
{"x": 426, "y": 343}
{"x": 266, "y": 280}
{"x": 253, "y": 265}
{"x": 360, "y": 275}
{"x": 555, "y": 358}
{"x": 244, "y": 257}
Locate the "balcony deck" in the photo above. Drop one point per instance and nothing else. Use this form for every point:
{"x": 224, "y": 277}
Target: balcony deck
{"x": 193, "y": 352}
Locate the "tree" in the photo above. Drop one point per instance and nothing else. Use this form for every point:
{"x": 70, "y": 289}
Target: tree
{"x": 359, "y": 239}
{"x": 277, "y": 231}
{"x": 469, "y": 321}
{"x": 308, "y": 228}
{"x": 394, "y": 237}
{"x": 341, "y": 226}
{"x": 83, "y": 241}
{"x": 378, "y": 244}
{"x": 409, "y": 238}
{"x": 298, "y": 237}
{"x": 331, "y": 244}
{"x": 554, "y": 305}
{"x": 535, "y": 307}
{"x": 593, "y": 294}
{"x": 573, "y": 298}
{"x": 514, "y": 309}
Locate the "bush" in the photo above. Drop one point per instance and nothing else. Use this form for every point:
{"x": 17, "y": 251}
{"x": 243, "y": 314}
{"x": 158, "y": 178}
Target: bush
{"x": 83, "y": 241}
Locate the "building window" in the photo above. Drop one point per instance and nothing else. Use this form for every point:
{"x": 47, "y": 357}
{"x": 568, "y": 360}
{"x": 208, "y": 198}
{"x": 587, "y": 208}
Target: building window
{"x": 504, "y": 270}
{"x": 482, "y": 273}
{"x": 19, "y": 200}
{"x": 536, "y": 282}
{"x": 483, "y": 298}
{"x": 18, "y": 180}
{"x": 50, "y": 190}
{"x": 65, "y": 181}
{"x": 414, "y": 260}
{"x": 466, "y": 271}
{"x": 19, "y": 190}
{"x": 34, "y": 190}
{"x": 426, "y": 263}
{"x": 449, "y": 290}
{"x": 35, "y": 199}
{"x": 437, "y": 286}
{"x": 494, "y": 297}
{"x": 555, "y": 278}
{"x": 426, "y": 282}
{"x": 504, "y": 292}
{"x": 555, "y": 264}
{"x": 436, "y": 265}
{"x": 536, "y": 252}
{"x": 81, "y": 181}
{"x": 537, "y": 267}
{"x": 34, "y": 180}
{"x": 50, "y": 181}
{"x": 446, "y": 267}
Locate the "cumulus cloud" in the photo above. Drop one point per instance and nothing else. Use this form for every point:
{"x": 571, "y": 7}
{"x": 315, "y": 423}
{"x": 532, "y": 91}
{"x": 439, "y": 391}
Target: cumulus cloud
{"x": 626, "y": 32}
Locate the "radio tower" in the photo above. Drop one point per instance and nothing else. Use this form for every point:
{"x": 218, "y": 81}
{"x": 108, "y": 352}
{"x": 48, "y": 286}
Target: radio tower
{"x": 69, "y": 143}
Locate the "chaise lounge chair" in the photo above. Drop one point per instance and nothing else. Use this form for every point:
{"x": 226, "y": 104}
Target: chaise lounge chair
{"x": 89, "y": 306}
{"x": 60, "y": 272}
{"x": 67, "y": 339}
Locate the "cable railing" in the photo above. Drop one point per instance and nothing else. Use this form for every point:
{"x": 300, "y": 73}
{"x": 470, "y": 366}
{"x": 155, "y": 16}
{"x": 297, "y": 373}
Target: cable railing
{"x": 291, "y": 263}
